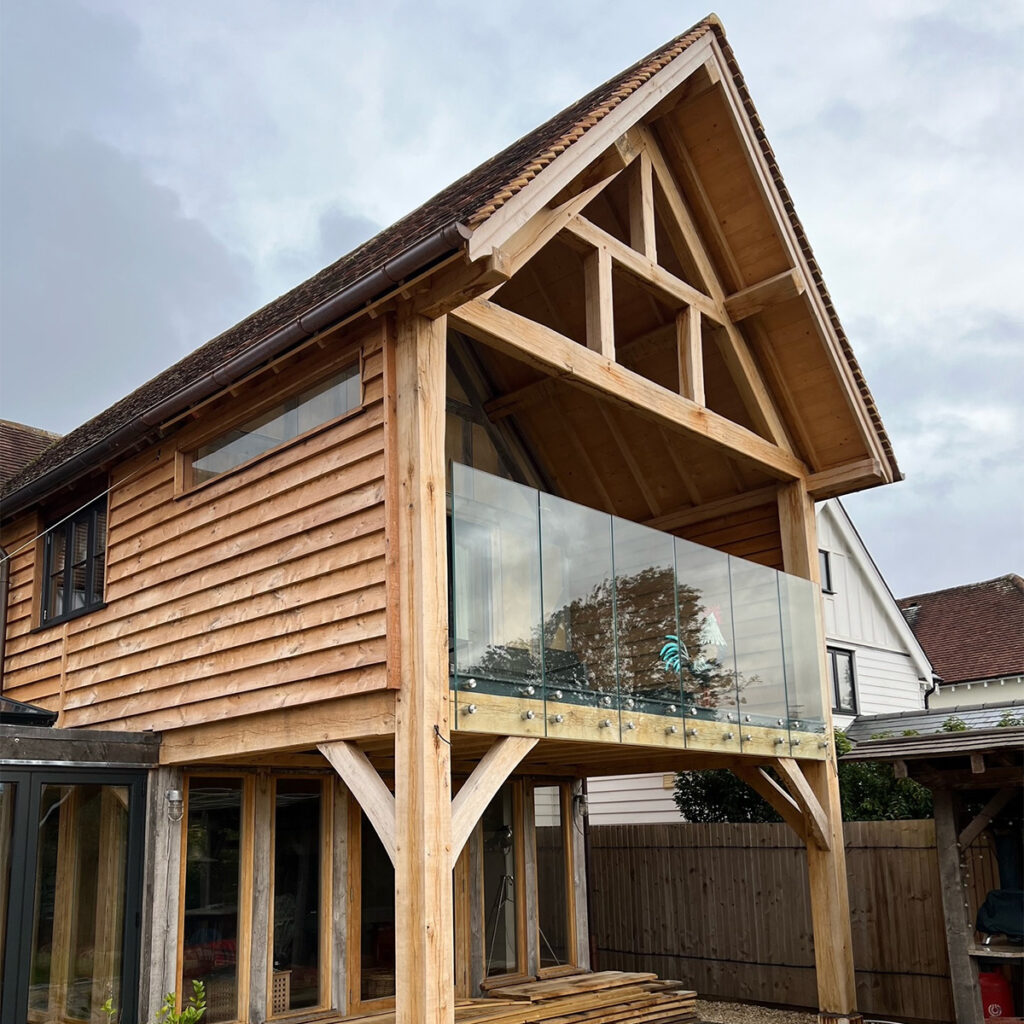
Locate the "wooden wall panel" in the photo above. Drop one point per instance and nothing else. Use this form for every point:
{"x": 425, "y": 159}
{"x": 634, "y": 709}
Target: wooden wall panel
{"x": 752, "y": 534}
{"x": 263, "y": 589}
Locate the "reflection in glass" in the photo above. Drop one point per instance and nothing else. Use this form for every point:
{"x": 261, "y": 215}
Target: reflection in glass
{"x": 78, "y": 919}
{"x": 760, "y": 673}
{"x": 377, "y": 926}
{"x": 707, "y": 653}
{"x": 318, "y": 404}
{"x": 496, "y": 559}
{"x": 7, "y": 790}
{"x": 552, "y": 872}
{"x": 297, "y": 843}
{"x": 500, "y": 919}
{"x": 645, "y": 617}
{"x": 212, "y": 866}
{"x": 579, "y": 626}
{"x": 552, "y": 600}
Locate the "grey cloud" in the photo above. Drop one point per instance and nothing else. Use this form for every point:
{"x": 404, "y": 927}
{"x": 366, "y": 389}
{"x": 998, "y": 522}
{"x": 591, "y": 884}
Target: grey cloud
{"x": 105, "y": 281}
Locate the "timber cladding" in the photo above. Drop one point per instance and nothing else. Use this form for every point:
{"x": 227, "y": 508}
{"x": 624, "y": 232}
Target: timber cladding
{"x": 259, "y": 590}
{"x": 726, "y": 909}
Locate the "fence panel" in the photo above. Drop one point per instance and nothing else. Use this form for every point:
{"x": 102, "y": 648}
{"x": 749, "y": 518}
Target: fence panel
{"x": 726, "y": 909}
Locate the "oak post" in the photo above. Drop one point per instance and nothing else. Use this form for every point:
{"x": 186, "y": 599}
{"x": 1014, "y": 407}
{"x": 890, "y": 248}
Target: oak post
{"x": 826, "y": 868}
{"x": 423, "y": 823}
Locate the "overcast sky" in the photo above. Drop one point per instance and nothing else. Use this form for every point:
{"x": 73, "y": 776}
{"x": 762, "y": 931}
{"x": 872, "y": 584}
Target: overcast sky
{"x": 168, "y": 166}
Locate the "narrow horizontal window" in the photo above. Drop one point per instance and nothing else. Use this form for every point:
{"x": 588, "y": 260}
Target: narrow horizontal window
{"x": 316, "y": 405}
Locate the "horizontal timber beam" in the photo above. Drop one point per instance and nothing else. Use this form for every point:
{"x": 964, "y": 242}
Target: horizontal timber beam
{"x": 483, "y": 783}
{"x": 714, "y": 509}
{"x": 850, "y": 476}
{"x": 758, "y": 297}
{"x": 561, "y": 357}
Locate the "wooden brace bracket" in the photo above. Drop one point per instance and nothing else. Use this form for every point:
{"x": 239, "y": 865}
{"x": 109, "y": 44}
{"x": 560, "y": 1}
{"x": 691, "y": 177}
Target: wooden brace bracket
{"x": 376, "y": 800}
{"x": 479, "y": 789}
{"x": 765, "y": 786}
{"x": 800, "y": 789}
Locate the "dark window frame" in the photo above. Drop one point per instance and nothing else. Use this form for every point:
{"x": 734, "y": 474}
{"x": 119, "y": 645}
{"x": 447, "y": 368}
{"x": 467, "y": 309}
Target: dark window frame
{"x": 834, "y": 654}
{"x": 93, "y": 517}
{"x": 825, "y": 567}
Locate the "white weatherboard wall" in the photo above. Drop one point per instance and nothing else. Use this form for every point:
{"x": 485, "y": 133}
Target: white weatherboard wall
{"x": 890, "y": 668}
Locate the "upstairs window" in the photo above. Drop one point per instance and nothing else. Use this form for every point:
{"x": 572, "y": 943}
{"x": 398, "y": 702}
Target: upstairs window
{"x": 844, "y": 691}
{"x": 74, "y": 564}
{"x": 304, "y": 411}
{"x": 825, "y": 568}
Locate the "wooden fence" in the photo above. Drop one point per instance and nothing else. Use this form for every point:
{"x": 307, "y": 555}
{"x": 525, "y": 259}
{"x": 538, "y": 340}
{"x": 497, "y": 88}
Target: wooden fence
{"x": 726, "y": 909}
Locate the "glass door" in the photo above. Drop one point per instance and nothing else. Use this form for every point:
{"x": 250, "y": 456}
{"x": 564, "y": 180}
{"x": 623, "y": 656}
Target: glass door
{"x": 70, "y": 878}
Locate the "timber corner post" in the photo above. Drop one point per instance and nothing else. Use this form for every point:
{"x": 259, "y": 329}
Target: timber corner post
{"x": 423, "y": 820}
{"x": 826, "y": 854}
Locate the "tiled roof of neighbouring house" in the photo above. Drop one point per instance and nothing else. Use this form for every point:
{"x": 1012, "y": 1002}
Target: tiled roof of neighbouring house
{"x": 470, "y": 201}
{"x": 975, "y": 631}
{"x": 20, "y": 445}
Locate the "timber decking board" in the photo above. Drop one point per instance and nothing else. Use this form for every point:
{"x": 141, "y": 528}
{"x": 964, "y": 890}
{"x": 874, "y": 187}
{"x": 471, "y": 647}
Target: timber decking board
{"x": 610, "y": 997}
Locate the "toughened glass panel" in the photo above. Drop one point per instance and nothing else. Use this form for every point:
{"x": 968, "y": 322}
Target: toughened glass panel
{"x": 297, "y": 845}
{"x": 579, "y": 604}
{"x": 552, "y": 882}
{"x": 760, "y": 672}
{"x": 212, "y": 865}
{"x": 7, "y": 790}
{"x": 318, "y": 404}
{"x": 495, "y": 628}
{"x": 78, "y": 919}
{"x": 800, "y": 648}
{"x": 706, "y": 649}
{"x": 500, "y": 919}
{"x": 377, "y": 927}
{"x": 645, "y": 617}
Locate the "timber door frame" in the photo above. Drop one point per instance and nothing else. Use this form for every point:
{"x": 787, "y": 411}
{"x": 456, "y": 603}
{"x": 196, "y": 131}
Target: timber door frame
{"x": 565, "y": 810}
{"x": 29, "y": 784}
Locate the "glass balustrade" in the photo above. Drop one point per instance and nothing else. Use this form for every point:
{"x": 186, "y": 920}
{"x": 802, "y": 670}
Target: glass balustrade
{"x": 574, "y": 612}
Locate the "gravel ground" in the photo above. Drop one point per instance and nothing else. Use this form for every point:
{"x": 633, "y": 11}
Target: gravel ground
{"x": 745, "y": 1013}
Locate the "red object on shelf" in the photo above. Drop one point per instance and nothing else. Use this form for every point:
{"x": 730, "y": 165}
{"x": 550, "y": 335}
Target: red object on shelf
{"x": 996, "y": 997}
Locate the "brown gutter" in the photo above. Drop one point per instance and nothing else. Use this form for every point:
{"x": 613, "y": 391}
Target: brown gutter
{"x": 435, "y": 247}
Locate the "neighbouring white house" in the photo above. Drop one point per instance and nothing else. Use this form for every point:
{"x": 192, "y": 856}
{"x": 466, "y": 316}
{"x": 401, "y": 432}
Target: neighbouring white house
{"x": 876, "y": 665}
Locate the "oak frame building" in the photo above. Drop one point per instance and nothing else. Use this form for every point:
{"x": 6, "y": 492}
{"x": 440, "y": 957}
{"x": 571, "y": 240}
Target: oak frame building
{"x": 604, "y": 373}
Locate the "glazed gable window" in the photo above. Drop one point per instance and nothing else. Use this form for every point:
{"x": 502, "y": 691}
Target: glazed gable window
{"x": 304, "y": 411}
{"x": 74, "y": 564}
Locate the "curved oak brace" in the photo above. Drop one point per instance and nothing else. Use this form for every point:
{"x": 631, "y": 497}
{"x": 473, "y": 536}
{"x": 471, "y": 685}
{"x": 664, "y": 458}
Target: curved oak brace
{"x": 800, "y": 789}
{"x": 765, "y": 786}
{"x": 367, "y": 787}
{"x": 486, "y": 779}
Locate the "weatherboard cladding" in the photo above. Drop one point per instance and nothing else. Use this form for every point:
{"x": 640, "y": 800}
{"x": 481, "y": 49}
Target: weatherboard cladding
{"x": 470, "y": 200}
{"x": 975, "y": 631}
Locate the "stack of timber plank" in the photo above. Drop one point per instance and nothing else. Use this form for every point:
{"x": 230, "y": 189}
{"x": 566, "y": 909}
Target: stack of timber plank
{"x": 608, "y": 997}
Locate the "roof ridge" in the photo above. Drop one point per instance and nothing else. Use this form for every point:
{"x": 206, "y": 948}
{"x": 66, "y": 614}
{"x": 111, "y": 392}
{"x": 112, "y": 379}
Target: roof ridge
{"x": 1010, "y": 577}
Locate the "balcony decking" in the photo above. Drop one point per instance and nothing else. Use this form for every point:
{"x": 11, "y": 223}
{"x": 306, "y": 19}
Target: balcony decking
{"x": 603, "y": 998}
{"x": 571, "y": 624}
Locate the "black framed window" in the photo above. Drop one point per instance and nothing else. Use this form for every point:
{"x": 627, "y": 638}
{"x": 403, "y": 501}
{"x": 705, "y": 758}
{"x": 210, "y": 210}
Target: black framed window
{"x": 74, "y": 564}
{"x": 841, "y": 674}
{"x": 825, "y": 568}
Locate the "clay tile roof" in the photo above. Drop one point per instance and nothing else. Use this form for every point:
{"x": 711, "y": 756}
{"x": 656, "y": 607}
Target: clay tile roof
{"x": 469, "y": 201}
{"x": 971, "y": 632}
{"x": 20, "y": 445}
